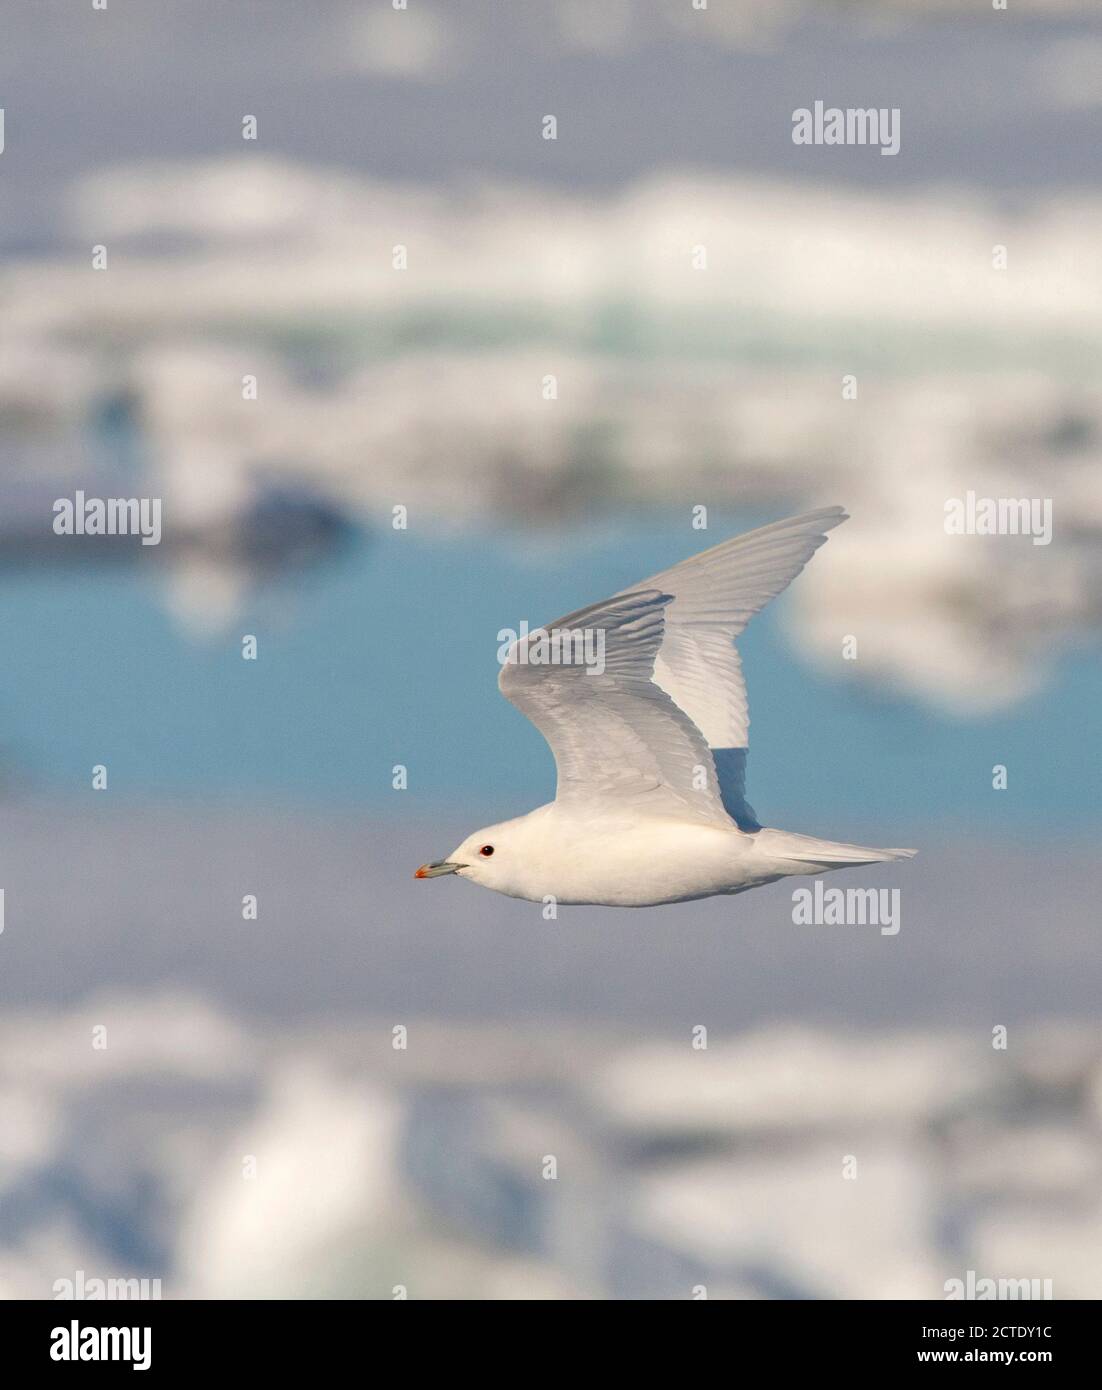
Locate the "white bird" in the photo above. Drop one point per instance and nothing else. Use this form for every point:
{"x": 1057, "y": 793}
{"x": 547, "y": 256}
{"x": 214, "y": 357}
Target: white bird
{"x": 642, "y": 700}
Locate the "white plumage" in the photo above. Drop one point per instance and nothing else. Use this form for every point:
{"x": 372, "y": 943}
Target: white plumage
{"x": 650, "y": 741}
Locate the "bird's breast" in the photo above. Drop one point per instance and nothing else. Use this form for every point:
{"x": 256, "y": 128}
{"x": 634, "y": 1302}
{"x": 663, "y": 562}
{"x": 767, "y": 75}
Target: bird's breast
{"x": 650, "y": 864}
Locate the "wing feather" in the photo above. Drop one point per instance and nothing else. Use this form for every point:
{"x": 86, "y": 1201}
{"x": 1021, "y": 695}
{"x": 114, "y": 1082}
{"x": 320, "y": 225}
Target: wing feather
{"x": 715, "y": 594}
{"x": 662, "y": 728}
{"x": 619, "y": 740}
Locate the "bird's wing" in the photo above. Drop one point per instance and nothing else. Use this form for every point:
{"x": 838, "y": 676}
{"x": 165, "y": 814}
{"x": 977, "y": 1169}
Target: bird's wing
{"x": 620, "y": 742}
{"x": 715, "y": 594}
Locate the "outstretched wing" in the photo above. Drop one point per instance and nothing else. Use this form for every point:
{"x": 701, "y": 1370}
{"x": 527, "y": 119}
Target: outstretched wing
{"x": 619, "y": 740}
{"x": 715, "y": 594}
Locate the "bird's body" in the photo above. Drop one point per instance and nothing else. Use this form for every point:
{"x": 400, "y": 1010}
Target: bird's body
{"x": 618, "y": 862}
{"x": 642, "y": 700}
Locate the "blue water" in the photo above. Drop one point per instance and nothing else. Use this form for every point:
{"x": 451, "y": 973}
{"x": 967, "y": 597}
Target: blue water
{"x": 388, "y": 657}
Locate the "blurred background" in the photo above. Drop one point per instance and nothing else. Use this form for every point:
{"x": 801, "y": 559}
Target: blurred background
{"x": 546, "y": 391}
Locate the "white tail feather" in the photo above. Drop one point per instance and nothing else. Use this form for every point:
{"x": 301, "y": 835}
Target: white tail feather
{"x": 804, "y": 849}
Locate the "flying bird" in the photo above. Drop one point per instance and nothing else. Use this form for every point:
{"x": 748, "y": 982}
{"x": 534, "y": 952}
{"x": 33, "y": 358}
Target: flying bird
{"x": 642, "y": 700}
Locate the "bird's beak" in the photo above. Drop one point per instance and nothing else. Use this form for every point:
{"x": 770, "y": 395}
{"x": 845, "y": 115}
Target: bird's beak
{"x": 435, "y": 870}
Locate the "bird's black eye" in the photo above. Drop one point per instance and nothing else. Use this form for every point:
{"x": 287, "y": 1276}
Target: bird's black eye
{"x": 486, "y": 851}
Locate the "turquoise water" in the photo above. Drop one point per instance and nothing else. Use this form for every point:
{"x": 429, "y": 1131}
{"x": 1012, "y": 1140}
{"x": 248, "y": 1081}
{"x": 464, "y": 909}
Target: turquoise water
{"x": 388, "y": 656}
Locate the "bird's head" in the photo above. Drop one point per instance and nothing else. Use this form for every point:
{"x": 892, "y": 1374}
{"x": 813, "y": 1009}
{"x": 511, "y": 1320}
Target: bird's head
{"x": 489, "y": 857}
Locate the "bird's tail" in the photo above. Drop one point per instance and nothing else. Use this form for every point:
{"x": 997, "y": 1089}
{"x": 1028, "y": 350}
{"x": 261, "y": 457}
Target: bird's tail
{"x": 815, "y": 855}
